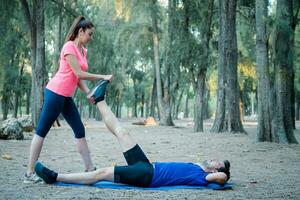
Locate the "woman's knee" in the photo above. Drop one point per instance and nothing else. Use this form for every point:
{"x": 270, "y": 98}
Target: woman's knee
{"x": 40, "y": 132}
{"x": 79, "y": 132}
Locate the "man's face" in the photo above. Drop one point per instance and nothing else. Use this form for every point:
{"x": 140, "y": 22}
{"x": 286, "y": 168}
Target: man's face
{"x": 213, "y": 164}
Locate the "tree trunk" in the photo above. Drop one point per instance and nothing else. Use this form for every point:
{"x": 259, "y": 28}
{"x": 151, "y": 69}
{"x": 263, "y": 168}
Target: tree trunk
{"x": 264, "y": 129}
{"x": 58, "y": 40}
{"x": 228, "y": 113}
{"x": 186, "y": 110}
{"x": 206, "y": 19}
{"x": 205, "y": 105}
{"x": 4, "y": 105}
{"x": 8, "y": 79}
{"x": 283, "y": 72}
{"x": 177, "y": 105}
{"x": 20, "y": 106}
{"x": 297, "y": 106}
{"x": 18, "y": 91}
{"x": 293, "y": 90}
{"x": 38, "y": 98}
{"x": 27, "y": 101}
{"x": 163, "y": 99}
{"x": 142, "y": 104}
{"x": 135, "y": 98}
{"x": 153, "y": 99}
{"x": 295, "y": 8}
{"x": 37, "y": 41}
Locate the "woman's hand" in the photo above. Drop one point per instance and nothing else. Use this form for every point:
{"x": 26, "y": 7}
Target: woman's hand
{"x": 108, "y": 77}
{"x": 90, "y": 98}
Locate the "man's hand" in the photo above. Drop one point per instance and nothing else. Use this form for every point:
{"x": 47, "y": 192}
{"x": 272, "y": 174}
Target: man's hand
{"x": 217, "y": 177}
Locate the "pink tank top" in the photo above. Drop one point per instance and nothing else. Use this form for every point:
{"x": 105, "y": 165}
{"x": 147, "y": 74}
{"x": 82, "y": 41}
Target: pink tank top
{"x": 65, "y": 82}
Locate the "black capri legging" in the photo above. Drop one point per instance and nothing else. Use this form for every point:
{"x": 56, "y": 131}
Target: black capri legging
{"x": 55, "y": 104}
{"x": 139, "y": 171}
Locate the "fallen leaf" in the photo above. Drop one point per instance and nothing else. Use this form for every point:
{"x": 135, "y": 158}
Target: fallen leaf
{"x": 6, "y": 157}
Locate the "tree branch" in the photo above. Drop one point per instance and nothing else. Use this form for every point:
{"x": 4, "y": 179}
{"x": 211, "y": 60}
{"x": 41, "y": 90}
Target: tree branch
{"x": 68, "y": 10}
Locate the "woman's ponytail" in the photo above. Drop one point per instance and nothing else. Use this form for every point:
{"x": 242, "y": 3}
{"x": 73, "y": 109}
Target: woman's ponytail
{"x": 78, "y": 23}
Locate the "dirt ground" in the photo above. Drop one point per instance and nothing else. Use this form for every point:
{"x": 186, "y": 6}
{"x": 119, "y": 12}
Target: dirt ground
{"x": 258, "y": 170}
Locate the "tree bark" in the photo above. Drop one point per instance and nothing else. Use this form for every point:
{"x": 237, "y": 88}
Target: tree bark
{"x": 142, "y": 104}
{"x": 186, "y": 109}
{"x": 205, "y": 104}
{"x": 35, "y": 24}
{"x": 38, "y": 98}
{"x": 264, "y": 126}
{"x": 28, "y": 101}
{"x": 295, "y": 8}
{"x": 205, "y": 28}
{"x": 177, "y": 105}
{"x": 153, "y": 99}
{"x": 58, "y": 39}
{"x": 8, "y": 79}
{"x": 18, "y": 91}
{"x": 297, "y": 106}
{"x": 163, "y": 99}
{"x": 228, "y": 113}
{"x": 283, "y": 72}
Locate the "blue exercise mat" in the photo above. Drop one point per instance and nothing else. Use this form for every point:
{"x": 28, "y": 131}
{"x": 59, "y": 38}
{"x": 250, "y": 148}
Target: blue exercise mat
{"x": 118, "y": 186}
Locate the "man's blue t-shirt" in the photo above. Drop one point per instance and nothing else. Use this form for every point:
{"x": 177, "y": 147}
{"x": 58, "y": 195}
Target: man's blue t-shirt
{"x": 178, "y": 173}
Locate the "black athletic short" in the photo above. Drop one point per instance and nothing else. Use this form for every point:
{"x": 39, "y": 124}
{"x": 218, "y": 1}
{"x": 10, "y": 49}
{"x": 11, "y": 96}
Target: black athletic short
{"x": 139, "y": 171}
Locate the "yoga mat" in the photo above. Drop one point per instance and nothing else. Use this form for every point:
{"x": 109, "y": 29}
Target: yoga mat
{"x": 118, "y": 186}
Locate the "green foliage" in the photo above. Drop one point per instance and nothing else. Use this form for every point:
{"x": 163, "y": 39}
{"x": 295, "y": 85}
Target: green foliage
{"x": 123, "y": 46}
{"x": 14, "y": 50}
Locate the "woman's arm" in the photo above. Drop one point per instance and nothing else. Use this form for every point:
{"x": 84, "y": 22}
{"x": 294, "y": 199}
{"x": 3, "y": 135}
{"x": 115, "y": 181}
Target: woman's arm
{"x": 83, "y": 87}
{"x": 217, "y": 177}
{"x": 72, "y": 61}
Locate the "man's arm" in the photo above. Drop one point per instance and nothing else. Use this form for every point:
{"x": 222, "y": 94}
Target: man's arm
{"x": 217, "y": 177}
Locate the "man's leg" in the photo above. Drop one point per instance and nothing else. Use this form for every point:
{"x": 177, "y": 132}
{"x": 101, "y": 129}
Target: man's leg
{"x": 50, "y": 176}
{"x": 103, "y": 174}
{"x": 114, "y": 126}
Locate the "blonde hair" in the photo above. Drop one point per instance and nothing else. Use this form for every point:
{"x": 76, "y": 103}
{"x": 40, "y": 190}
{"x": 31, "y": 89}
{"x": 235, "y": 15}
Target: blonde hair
{"x": 78, "y": 23}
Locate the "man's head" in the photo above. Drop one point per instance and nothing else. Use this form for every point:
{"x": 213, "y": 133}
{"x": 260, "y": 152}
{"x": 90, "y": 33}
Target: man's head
{"x": 217, "y": 166}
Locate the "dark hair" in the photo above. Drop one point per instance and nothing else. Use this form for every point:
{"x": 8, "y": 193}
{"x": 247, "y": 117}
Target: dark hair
{"x": 78, "y": 23}
{"x": 225, "y": 169}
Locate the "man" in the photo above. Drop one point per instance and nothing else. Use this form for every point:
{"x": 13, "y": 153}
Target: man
{"x": 139, "y": 171}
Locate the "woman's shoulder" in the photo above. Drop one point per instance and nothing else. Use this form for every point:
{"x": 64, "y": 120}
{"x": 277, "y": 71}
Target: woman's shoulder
{"x": 69, "y": 48}
{"x": 69, "y": 44}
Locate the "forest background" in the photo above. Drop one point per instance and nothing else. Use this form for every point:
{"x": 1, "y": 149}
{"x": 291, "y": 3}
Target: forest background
{"x": 170, "y": 59}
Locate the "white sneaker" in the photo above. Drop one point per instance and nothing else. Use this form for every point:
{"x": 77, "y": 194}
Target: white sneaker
{"x": 33, "y": 178}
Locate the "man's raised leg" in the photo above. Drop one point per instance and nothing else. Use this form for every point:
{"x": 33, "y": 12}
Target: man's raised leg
{"x": 115, "y": 127}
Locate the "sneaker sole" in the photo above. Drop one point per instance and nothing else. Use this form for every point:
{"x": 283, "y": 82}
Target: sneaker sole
{"x": 95, "y": 90}
{"x": 33, "y": 182}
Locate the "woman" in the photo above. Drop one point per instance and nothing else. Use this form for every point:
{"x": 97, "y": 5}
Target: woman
{"x": 59, "y": 91}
